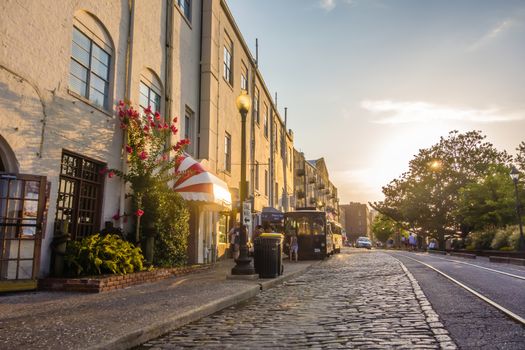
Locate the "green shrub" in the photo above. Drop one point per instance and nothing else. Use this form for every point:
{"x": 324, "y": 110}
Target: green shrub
{"x": 506, "y": 249}
{"x": 167, "y": 215}
{"x": 97, "y": 255}
{"x": 514, "y": 237}
{"x": 481, "y": 240}
{"x": 501, "y": 238}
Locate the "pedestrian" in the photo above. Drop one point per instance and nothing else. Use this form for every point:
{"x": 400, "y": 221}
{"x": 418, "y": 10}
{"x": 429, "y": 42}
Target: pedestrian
{"x": 235, "y": 240}
{"x": 294, "y": 248}
{"x": 403, "y": 242}
{"x": 412, "y": 241}
{"x": 257, "y": 232}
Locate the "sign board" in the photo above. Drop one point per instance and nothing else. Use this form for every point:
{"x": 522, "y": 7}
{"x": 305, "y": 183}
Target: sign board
{"x": 247, "y": 215}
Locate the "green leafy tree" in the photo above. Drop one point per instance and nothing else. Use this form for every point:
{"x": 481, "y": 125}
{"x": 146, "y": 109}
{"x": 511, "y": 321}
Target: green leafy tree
{"x": 488, "y": 202}
{"x": 384, "y": 228}
{"x": 425, "y": 198}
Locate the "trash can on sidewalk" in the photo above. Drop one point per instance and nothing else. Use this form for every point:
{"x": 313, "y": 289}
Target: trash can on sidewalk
{"x": 268, "y": 255}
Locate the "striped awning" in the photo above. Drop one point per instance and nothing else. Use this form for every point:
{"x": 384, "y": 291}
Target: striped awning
{"x": 198, "y": 184}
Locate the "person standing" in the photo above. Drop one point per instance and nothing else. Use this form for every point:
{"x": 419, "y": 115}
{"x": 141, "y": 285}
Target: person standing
{"x": 412, "y": 241}
{"x": 235, "y": 240}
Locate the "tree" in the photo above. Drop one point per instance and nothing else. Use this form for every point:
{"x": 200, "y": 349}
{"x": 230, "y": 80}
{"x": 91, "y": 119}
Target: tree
{"x": 425, "y": 198}
{"x": 488, "y": 202}
{"x": 384, "y": 228}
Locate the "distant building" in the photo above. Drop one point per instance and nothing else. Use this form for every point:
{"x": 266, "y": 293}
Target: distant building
{"x": 356, "y": 220}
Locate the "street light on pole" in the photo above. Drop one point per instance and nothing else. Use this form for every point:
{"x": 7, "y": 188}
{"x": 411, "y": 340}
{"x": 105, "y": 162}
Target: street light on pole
{"x": 515, "y": 174}
{"x": 243, "y": 262}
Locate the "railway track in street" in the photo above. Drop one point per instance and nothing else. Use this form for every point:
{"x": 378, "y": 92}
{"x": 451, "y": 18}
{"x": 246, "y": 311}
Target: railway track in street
{"x": 513, "y": 315}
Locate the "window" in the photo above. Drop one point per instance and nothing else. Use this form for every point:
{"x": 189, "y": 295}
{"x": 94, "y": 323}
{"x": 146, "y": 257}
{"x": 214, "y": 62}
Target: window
{"x": 149, "y": 96}
{"x": 223, "y": 228}
{"x": 189, "y": 130}
{"x": 275, "y": 138}
{"x": 185, "y": 6}
{"x": 256, "y": 175}
{"x": 244, "y": 78}
{"x": 283, "y": 142}
{"x": 265, "y": 120}
{"x": 276, "y": 199}
{"x": 79, "y": 195}
{"x": 228, "y": 153}
{"x": 256, "y": 106}
{"x": 89, "y": 69}
{"x": 266, "y": 183}
{"x": 228, "y": 50}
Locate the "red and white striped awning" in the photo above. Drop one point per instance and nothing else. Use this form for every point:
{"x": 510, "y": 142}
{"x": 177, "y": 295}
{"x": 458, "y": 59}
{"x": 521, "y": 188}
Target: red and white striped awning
{"x": 197, "y": 184}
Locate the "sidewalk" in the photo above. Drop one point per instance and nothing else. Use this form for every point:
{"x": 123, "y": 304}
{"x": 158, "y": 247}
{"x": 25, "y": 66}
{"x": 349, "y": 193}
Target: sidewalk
{"x": 124, "y": 318}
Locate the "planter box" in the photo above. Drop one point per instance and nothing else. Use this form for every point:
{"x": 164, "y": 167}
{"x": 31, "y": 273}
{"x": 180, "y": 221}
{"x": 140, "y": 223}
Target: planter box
{"x": 98, "y": 284}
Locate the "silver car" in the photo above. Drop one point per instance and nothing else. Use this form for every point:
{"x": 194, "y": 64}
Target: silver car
{"x": 363, "y": 242}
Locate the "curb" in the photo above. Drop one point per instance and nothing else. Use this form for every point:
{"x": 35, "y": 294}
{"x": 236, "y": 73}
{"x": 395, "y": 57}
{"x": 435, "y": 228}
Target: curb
{"x": 438, "y": 329}
{"x": 158, "y": 329}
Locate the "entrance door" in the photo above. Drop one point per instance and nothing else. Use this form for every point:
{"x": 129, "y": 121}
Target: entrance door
{"x": 22, "y": 204}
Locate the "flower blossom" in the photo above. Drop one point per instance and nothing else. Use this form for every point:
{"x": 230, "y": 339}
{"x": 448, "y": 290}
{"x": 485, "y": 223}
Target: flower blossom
{"x": 139, "y": 212}
{"x": 129, "y": 149}
{"x": 103, "y": 171}
{"x": 147, "y": 110}
{"x": 143, "y": 155}
{"x": 111, "y": 174}
{"x": 157, "y": 115}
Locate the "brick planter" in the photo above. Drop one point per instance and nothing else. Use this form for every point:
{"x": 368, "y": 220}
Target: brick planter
{"x": 98, "y": 284}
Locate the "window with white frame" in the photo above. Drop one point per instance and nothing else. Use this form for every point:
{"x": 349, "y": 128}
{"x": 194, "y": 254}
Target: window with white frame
{"x": 228, "y": 59}
{"x": 89, "y": 69}
{"x": 227, "y": 153}
{"x": 266, "y": 183}
{"x": 189, "y": 130}
{"x": 185, "y": 6}
{"x": 266, "y": 120}
{"x": 149, "y": 96}
{"x": 256, "y": 106}
{"x": 244, "y": 78}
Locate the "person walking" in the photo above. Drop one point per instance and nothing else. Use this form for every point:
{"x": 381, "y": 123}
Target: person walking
{"x": 294, "y": 248}
{"x": 412, "y": 241}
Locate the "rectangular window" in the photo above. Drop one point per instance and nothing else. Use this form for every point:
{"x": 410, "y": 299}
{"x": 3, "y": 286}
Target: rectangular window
{"x": 89, "y": 69}
{"x": 266, "y": 183}
{"x": 79, "y": 195}
{"x": 275, "y": 138}
{"x": 185, "y": 6}
{"x": 149, "y": 97}
{"x": 283, "y": 143}
{"x": 257, "y": 175}
{"x": 256, "y": 106}
{"x": 189, "y": 130}
{"x": 265, "y": 120}
{"x": 244, "y": 78}
{"x": 276, "y": 199}
{"x": 228, "y": 59}
{"x": 223, "y": 228}
{"x": 228, "y": 153}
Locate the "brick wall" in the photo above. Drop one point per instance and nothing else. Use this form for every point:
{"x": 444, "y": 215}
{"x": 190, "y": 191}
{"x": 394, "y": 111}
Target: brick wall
{"x": 107, "y": 283}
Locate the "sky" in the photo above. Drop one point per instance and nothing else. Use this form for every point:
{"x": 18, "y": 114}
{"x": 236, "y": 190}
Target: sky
{"x": 368, "y": 83}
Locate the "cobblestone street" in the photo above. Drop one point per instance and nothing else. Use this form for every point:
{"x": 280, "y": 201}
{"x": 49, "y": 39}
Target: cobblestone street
{"x": 353, "y": 300}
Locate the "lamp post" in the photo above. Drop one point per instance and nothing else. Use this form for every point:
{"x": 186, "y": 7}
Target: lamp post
{"x": 515, "y": 174}
{"x": 243, "y": 262}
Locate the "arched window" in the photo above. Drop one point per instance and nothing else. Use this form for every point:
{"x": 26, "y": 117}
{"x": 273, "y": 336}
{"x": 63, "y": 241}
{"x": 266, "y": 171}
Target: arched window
{"x": 150, "y": 91}
{"x": 91, "y": 57}
{"x": 8, "y": 162}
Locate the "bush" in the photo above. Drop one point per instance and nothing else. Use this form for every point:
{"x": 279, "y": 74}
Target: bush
{"x": 481, "y": 240}
{"x": 501, "y": 238}
{"x": 97, "y": 255}
{"x": 514, "y": 238}
{"x": 168, "y": 216}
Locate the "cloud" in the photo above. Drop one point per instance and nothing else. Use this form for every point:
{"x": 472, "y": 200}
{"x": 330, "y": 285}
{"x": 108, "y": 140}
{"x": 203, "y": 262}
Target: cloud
{"x": 329, "y": 5}
{"x": 496, "y": 31}
{"x": 402, "y": 112}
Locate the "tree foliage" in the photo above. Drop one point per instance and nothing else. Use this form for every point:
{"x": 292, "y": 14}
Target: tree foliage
{"x": 425, "y": 198}
{"x": 384, "y": 228}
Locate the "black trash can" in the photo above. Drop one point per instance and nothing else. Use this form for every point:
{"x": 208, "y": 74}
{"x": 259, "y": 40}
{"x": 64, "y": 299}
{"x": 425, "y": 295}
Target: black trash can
{"x": 268, "y": 255}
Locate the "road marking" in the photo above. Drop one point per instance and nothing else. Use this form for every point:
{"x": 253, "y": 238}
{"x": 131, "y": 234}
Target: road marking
{"x": 482, "y": 297}
{"x": 480, "y": 267}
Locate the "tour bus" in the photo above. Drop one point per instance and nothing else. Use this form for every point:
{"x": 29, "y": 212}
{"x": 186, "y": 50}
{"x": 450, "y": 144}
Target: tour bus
{"x": 337, "y": 235}
{"x": 313, "y": 234}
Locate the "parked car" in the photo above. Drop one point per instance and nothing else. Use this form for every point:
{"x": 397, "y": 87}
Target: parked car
{"x": 363, "y": 242}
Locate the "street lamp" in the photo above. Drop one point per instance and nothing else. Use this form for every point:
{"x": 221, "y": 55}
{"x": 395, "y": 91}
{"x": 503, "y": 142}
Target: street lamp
{"x": 515, "y": 174}
{"x": 243, "y": 262}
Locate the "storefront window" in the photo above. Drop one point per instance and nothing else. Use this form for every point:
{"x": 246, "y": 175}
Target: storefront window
{"x": 223, "y": 228}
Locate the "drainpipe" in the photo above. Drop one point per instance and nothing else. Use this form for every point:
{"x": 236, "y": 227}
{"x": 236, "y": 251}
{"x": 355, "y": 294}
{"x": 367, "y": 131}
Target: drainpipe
{"x": 127, "y": 96}
{"x": 168, "y": 72}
